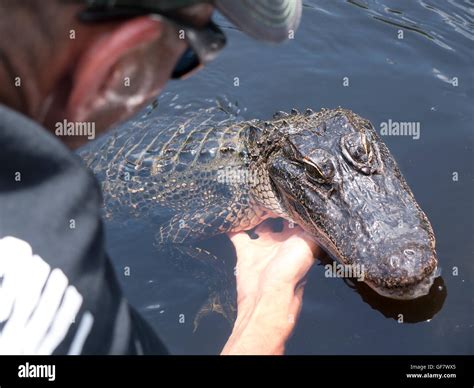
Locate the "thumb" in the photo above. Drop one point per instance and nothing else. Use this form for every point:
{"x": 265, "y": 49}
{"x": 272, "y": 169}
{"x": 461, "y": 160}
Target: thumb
{"x": 238, "y": 238}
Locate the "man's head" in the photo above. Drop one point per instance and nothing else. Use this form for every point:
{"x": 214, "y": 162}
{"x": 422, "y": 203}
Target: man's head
{"x": 100, "y": 61}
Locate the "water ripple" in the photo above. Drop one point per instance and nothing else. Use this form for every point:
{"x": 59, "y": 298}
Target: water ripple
{"x": 463, "y": 24}
{"x": 458, "y": 15}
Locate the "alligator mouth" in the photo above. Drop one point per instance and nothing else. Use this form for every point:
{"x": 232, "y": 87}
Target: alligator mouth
{"x": 407, "y": 292}
{"x": 399, "y": 291}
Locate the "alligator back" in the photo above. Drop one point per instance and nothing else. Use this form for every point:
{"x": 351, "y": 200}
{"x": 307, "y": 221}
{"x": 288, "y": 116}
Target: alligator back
{"x": 174, "y": 169}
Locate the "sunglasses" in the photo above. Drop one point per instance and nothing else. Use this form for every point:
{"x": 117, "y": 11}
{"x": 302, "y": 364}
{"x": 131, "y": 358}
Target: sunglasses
{"x": 204, "y": 43}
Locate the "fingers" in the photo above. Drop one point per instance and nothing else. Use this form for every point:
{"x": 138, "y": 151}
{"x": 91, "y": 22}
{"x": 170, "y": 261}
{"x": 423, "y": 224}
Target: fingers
{"x": 265, "y": 228}
{"x": 263, "y": 231}
{"x": 310, "y": 242}
{"x": 238, "y": 238}
{"x": 290, "y": 229}
{"x": 266, "y": 234}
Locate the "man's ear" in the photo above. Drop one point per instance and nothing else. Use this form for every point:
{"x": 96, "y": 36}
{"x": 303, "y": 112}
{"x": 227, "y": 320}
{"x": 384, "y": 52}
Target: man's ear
{"x": 96, "y": 65}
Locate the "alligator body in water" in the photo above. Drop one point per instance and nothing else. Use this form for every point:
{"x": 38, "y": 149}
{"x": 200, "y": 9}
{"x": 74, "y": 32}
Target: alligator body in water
{"x": 328, "y": 171}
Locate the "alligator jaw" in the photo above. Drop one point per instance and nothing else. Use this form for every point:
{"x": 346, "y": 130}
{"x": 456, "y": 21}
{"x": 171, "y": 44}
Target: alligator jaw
{"x": 408, "y": 292}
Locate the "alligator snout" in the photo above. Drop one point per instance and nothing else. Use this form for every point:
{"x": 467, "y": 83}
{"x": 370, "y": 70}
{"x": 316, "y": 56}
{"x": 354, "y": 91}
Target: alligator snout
{"x": 405, "y": 273}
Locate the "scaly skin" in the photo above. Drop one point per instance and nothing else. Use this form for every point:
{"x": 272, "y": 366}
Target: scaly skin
{"x": 328, "y": 172}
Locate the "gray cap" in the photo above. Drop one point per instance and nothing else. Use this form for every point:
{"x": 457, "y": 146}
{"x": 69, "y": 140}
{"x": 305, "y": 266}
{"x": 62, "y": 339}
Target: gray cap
{"x": 269, "y": 20}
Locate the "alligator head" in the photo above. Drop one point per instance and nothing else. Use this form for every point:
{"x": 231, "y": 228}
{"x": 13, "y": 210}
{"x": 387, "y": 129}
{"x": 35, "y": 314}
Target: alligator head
{"x": 331, "y": 174}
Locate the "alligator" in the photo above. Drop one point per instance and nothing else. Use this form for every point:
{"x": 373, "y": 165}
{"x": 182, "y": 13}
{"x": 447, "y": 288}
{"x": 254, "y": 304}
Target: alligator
{"x": 327, "y": 171}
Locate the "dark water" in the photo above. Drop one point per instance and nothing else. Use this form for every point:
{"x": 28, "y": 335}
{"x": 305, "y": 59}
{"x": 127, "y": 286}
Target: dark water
{"x": 404, "y": 80}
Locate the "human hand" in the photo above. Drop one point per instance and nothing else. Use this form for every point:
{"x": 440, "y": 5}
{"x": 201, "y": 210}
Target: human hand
{"x": 270, "y": 272}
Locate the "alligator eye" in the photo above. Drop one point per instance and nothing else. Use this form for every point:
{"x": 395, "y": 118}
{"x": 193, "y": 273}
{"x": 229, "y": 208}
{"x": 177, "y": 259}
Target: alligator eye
{"x": 359, "y": 148}
{"x": 320, "y": 169}
{"x": 359, "y": 151}
{"x": 314, "y": 173}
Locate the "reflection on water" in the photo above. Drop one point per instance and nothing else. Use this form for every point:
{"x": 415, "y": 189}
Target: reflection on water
{"x": 407, "y": 311}
{"x": 403, "y": 311}
{"x": 409, "y": 79}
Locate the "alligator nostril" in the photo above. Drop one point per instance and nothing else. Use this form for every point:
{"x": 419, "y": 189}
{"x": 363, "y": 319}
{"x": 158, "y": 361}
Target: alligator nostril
{"x": 394, "y": 261}
{"x": 408, "y": 269}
